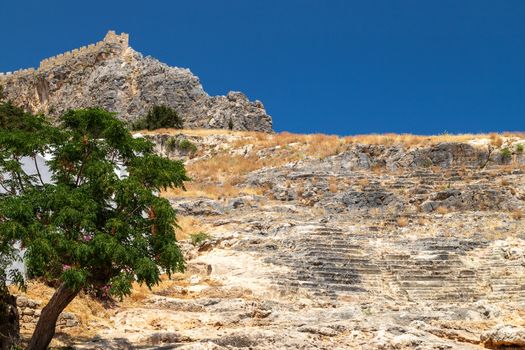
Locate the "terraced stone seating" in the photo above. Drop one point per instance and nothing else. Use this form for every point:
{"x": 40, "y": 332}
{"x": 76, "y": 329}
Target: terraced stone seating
{"x": 328, "y": 262}
{"x": 456, "y": 188}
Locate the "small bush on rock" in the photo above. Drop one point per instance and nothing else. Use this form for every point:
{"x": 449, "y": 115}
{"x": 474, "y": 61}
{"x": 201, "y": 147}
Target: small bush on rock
{"x": 506, "y": 154}
{"x": 159, "y": 117}
{"x": 187, "y": 145}
{"x": 519, "y": 148}
{"x": 171, "y": 144}
{"x": 198, "y": 238}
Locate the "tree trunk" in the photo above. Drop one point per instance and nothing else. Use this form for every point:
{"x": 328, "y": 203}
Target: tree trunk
{"x": 9, "y": 324}
{"x": 45, "y": 328}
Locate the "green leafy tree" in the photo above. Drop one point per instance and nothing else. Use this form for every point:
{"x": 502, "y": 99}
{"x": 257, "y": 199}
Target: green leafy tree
{"x": 159, "y": 117}
{"x": 87, "y": 228}
{"x": 21, "y": 134}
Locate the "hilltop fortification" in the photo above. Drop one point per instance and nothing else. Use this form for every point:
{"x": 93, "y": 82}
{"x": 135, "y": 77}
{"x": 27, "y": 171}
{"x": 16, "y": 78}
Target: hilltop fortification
{"x": 112, "y": 75}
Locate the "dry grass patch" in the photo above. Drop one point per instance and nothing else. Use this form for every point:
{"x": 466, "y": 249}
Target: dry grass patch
{"x": 496, "y": 140}
{"x": 188, "y": 226}
{"x": 199, "y": 189}
{"x": 312, "y": 145}
{"x": 200, "y": 132}
{"x": 265, "y": 140}
{"x": 517, "y": 214}
{"x": 363, "y": 182}
{"x": 87, "y": 309}
{"x": 442, "y": 210}
{"x": 410, "y": 140}
{"x": 402, "y": 221}
{"x": 422, "y": 221}
{"x": 332, "y": 184}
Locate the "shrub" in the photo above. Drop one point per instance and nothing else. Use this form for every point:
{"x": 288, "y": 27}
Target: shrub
{"x": 198, "y": 238}
{"x": 519, "y": 148}
{"x": 332, "y": 184}
{"x": 159, "y": 117}
{"x": 230, "y": 124}
{"x": 187, "y": 145}
{"x": 184, "y": 145}
{"x": 506, "y": 154}
{"x": 171, "y": 144}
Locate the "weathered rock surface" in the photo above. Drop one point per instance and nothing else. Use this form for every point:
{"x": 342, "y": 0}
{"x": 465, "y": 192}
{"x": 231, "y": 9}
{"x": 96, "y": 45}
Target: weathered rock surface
{"x": 318, "y": 259}
{"x": 112, "y": 75}
{"x": 504, "y": 337}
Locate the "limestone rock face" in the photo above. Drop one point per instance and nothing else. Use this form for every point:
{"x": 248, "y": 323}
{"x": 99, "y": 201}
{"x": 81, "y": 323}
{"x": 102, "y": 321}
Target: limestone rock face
{"x": 504, "y": 336}
{"x": 112, "y": 75}
{"x": 305, "y": 250}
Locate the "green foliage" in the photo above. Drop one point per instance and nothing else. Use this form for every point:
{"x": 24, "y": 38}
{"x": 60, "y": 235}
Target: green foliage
{"x": 172, "y": 144}
{"x": 187, "y": 145}
{"x": 519, "y": 148}
{"x": 88, "y": 228}
{"x": 198, "y": 238}
{"x": 2, "y": 94}
{"x": 506, "y": 154}
{"x": 230, "y": 124}
{"x": 184, "y": 145}
{"x": 159, "y": 117}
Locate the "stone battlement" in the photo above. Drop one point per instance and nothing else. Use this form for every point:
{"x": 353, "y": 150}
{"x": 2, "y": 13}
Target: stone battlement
{"x": 17, "y": 73}
{"x": 111, "y": 38}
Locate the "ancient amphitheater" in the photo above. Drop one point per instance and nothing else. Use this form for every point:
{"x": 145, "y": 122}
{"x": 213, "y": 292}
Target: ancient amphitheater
{"x": 320, "y": 242}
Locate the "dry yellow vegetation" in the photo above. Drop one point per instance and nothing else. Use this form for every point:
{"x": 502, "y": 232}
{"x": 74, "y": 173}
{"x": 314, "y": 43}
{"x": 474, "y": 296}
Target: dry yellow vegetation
{"x": 87, "y": 309}
{"x": 203, "y": 189}
{"x": 517, "y": 214}
{"x": 284, "y": 138}
{"x": 442, "y": 210}
{"x": 402, "y": 221}
{"x": 188, "y": 225}
{"x": 218, "y": 176}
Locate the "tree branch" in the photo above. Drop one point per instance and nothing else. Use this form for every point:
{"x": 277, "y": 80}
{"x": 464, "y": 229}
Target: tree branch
{"x": 38, "y": 171}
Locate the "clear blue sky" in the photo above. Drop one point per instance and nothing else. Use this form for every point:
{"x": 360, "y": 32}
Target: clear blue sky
{"x": 332, "y": 66}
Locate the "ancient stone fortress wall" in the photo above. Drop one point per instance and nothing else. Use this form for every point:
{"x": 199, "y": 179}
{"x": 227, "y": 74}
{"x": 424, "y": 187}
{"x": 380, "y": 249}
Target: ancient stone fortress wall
{"x": 29, "y": 311}
{"x": 111, "y": 38}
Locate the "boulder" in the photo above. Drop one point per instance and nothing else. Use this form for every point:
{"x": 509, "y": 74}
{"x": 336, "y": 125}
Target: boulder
{"x": 504, "y": 336}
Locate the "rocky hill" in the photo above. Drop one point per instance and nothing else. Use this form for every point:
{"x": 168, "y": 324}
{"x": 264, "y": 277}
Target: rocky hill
{"x": 322, "y": 242}
{"x": 112, "y": 75}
